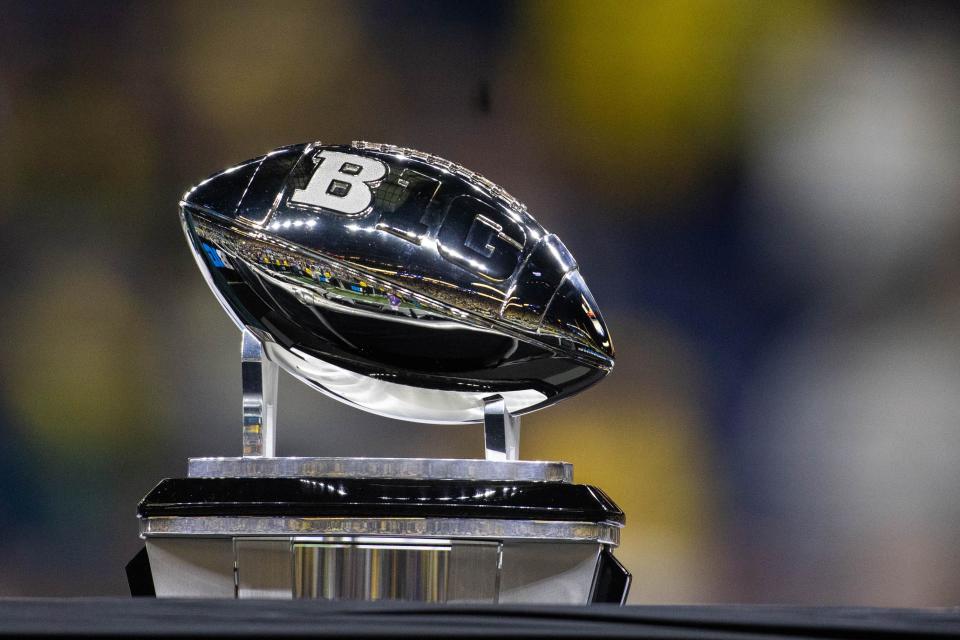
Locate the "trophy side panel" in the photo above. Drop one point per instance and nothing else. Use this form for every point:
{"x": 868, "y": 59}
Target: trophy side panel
{"x": 548, "y": 572}
{"x": 192, "y": 567}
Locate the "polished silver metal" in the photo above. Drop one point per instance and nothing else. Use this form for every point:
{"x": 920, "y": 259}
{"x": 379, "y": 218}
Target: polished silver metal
{"x": 400, "y": 468}
{"x": 501, "y": 430}
{"x": 468, "y": 528}
{"x": 262, "y": 568}
{"x": 369, "y": 568}
{"x": 442, "y": 292}
{"x": 192, "y": 567}
{"x": 259, "y": 377}
{"x": 382, "y": 571}
{"x": 548, "y": 572}
{"x": 471, "y": 177}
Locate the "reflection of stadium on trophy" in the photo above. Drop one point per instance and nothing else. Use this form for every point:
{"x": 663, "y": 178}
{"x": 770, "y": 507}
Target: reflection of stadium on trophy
{"x": 325, "y": 282}
{"x": 330, "y": 284}
{"x": 317, "y": 282}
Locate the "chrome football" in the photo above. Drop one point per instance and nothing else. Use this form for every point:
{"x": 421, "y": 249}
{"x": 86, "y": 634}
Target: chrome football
{"x": 396, "y": 281}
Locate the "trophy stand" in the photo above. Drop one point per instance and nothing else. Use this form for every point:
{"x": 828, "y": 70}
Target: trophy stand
{"x": 416, "y": 529}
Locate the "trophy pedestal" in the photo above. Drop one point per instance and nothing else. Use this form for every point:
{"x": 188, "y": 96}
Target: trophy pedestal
{"x": 424, "y": 530}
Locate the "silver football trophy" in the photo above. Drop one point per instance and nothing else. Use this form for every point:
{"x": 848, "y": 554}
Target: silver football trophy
{"x": 404, "y": 285}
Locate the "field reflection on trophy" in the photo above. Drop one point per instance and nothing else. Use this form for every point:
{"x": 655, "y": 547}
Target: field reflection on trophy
{"x": 405, "y": 285}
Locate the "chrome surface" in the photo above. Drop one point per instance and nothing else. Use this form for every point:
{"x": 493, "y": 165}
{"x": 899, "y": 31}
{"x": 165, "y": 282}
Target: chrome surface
{"x": 501, "y": 430}
{"x": 396, "y": 281}
{"x": 375, "y": 568}
{"x": 411, "y": 468}
{"x": 546, "y": 573}
{"x": 475, "y": 572}
{"x": 422, "y": 570}
{"x": 192, "y": 567}
{"x": 263, "y": 568}
{"x": 331, "y": 571}
{"x": 259, "y": 377}
{"x": 470, "y": 528}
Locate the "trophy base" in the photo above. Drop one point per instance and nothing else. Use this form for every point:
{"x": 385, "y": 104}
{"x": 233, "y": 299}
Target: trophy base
{"x": 382, "y": 529}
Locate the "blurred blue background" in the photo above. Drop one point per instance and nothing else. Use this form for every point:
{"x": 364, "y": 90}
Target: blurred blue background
{"x": 764, "y": 198}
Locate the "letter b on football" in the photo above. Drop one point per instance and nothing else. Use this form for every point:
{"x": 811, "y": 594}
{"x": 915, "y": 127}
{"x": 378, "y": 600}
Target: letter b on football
{"x": 341, "y": 182}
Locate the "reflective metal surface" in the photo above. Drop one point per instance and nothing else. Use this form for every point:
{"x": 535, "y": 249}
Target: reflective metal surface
{"x": 404, "y": 468}
{"x": 367, "y": 568}
{"x": 470, "y": 528}
{"x": 259, "y": 377}
{"x": 262, "y": 568}
{"x": 381, "y": 571}
{"x": 501, "y": 430}
{"x": 192, "y": 567}
{"x": 548, "y": 573}
{"x": 396, "y": 281}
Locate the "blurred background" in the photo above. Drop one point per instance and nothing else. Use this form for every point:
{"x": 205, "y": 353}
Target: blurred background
{"x": 764, "y": 197}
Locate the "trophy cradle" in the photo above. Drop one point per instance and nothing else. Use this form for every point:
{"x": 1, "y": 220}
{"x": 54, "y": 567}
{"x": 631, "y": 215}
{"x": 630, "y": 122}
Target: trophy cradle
{"x": 408, "y": 286}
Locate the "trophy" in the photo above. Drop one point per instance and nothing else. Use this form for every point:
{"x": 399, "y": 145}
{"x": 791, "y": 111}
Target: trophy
{"x": 405, "y": 285}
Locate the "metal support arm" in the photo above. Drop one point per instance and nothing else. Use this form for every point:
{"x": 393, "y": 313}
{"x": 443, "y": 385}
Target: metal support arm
{"x": 501, "y": 430}
{"x": 259, "y": 399}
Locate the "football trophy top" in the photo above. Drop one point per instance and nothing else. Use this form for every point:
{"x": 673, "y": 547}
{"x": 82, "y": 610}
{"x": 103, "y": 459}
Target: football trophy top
{"x": 396, "y": 281}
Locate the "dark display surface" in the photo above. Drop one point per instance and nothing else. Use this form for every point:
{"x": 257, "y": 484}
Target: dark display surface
{"x": 355, "y": 497}
{"x": 147, "y": 617}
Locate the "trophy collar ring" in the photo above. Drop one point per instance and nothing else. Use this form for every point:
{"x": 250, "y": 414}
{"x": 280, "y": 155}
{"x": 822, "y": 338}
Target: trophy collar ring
{"x": 404, "y": 285}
